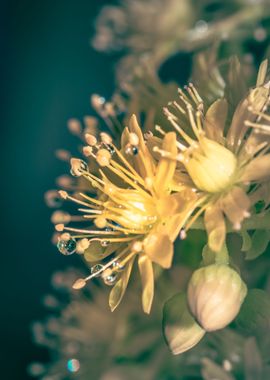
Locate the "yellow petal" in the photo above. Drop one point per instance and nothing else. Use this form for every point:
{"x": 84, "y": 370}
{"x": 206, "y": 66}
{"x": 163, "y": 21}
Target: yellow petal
{"x": 147, "y": 277}
{"x": 95, "y": 251}
{"x": 215, "y": 120}
{"x": 143, "y": 160}
{"x": 166, "y": 167}
{"x": 235, "y": 205}
{"x": 119, "y": 288}
{"x": 262, "y": 73}
{"x": 257, "y": 99}
{"x": 159, "y": 249}
{"x": 257, "y": 170}
{"x": 215, "y": 227}
{"x": 170, "y": 205}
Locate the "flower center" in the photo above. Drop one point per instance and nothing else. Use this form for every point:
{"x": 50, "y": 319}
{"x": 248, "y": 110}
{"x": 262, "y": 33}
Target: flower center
{"x": 210, "y": 165}
{"x": 131, "y": 209}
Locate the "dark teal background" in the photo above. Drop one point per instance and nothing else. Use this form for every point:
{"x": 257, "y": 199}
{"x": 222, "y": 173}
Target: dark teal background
{"x": 48, "y": 72}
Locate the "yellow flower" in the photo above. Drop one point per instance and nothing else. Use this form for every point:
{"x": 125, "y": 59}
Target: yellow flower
{"x": 136, "y": 213}
{"x": 223, "y": 154}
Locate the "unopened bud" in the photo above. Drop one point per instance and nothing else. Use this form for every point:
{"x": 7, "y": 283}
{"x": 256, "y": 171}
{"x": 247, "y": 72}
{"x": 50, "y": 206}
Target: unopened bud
{"x": 215, "y": 295}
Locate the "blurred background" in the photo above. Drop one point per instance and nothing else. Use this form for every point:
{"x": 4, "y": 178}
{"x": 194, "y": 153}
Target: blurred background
{"x": 48, "y": 73}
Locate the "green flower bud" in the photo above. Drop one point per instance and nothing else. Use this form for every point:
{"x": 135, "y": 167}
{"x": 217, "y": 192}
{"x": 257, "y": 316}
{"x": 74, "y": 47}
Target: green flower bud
{"x": 215, "y": 295}
{"x": 180, "y": 329}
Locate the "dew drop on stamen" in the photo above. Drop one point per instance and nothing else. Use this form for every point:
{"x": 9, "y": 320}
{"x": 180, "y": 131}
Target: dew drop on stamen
{"x": 111, "y": 149}
{"x": 131, "y": 150}
{"x": 182, "y": 234}
{"x": 96, "y": 268}
{"x": 67, "y": 247}
{"x": 118, "y": 266}
{"x": 110, "y": 280}
{"x": 78, "y": 169}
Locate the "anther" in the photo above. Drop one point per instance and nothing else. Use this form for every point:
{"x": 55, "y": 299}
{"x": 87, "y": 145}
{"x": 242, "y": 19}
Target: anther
{"x": 105, "y": 138}
{"x": 63, "y": 194}
{"x": 87, "y": 151}
{"x": 103, "y": 157}
{"x": 79, "y": 284}
{"x": 90, "y": 139}
{"x": 59, "y": 227}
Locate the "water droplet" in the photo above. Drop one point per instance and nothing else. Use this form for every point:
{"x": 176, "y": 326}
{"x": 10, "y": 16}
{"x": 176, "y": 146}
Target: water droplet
{"x": 67, "y": 247}
{"x": 104, "y": 243}
{"x": 182, "y": 234}
{"x": 135, "y": 150}
{"x": 118, "y": 266}
{"x": 111, "y": 149}
{"x": 131, "y": 150}
{"x": 73, "y": 365}
{"x": 111, "y": 279}
{"x": 77, "y": 171}
{"x": 96, "y": 268}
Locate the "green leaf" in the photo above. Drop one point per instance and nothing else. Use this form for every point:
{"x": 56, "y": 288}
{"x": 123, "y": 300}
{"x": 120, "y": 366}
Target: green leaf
{"x": 181, "y": 331}
{"x": 260, "y": 240}
{"x": 254, "y": 314}
{"x": 246, "y": 241}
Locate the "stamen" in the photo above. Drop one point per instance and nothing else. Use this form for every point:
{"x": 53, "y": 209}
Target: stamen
{"x": 90, "y": 139}
{"x": 160, "y": 130}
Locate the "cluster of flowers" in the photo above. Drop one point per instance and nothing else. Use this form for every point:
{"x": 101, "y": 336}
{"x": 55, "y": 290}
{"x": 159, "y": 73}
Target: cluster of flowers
{"x": 210, "y": 170}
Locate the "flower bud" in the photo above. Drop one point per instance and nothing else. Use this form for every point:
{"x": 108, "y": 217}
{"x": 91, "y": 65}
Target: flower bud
{"x": 180, "y": 329}
{"x": 215, "y": 295}
{"x": 210, "y": 165}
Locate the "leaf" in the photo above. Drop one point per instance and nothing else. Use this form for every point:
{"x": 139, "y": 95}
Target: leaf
{"x": 246, "y": 241}
{"x": 119, "y": 288}
{"x": 147, "y": 277}
{"x": 260, "y": 240}
{"x": 254, "y": 314}
{"x": 180, "y": 330}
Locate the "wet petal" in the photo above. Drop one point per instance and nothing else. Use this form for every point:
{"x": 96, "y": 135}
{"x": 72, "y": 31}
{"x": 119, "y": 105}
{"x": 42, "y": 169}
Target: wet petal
{"x": 159, "y": 249}
{"x": 235, "y": 205}
{"x": 170, "y": 205}
{"x": 95, "y": 251}
{"x": 257, "y": 99}
{"x": 215, "y": 120}
{"x": 262, "y": 73}
{"x": 143, "y": 160}
{"x": 215, "y": 227}
{"x": 119, "y": 288}
{"x": 257, "y": 170}
{"x": 166, "y": 167}
{"x": 147, "y": 277}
